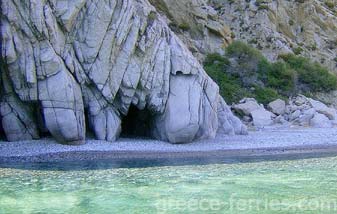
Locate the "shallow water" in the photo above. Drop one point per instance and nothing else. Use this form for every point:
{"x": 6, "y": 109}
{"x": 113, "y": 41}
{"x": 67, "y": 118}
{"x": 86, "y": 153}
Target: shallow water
{"x": 297, "y": 186}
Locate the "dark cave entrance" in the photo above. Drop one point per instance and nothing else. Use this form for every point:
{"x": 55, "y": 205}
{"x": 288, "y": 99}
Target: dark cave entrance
{"x": 41, "y": 124}
{"x": 137, "y": 123}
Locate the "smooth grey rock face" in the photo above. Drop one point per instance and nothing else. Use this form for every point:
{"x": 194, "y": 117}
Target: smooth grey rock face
{"x": 91, "y": 60}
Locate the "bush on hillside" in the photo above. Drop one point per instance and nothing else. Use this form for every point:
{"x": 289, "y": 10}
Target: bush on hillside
{"x": 266, "y": 95}
{"x": 230, "y": 87}
{"x": 279, "y": 76}
{"x": 246, "y": 62}
{"x": 311, "y": 74}
{"x": 245, "y": 72}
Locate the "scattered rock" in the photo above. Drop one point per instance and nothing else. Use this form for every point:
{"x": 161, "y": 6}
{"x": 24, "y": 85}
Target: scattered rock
{"x": 301, "y": 111}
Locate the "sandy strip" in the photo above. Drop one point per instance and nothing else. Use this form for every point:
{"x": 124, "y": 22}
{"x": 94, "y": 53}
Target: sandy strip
{"x": 286, "y": 143}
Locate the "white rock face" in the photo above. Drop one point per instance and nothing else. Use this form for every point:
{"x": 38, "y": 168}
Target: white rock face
{"x": 69, "y": 62}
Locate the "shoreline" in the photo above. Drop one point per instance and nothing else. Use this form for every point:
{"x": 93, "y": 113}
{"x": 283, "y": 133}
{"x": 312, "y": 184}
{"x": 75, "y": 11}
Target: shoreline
{"x": 267, "y": 144}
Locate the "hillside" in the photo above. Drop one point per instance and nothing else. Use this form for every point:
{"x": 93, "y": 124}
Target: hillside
{"x": 307, "y": 27}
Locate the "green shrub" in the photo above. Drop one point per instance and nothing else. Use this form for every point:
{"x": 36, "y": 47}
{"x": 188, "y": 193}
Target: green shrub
{"x": 230, "y": 87}
{"x": 311, "y": 74}
{"x": 298, "y": 50}
{"x": 266, "y": 95}
{"x": 278, "y": 76}
{"x": 260, "y": 2}
{"x": 263, "y": 7}
{"x": 216, "y": 58}
{"x": 330, "y": 4}
{"x": 184, "y": 26}
{"x": 232, "y": 35}
{"x": 247, "y": 60}
{"x": 241, "y": 50}
{"x": 152, "y": 16}
{"x": 252, "y": 75}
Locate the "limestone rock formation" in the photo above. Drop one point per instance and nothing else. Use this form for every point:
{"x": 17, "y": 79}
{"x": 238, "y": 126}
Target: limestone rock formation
{"x": 75, "y": 65}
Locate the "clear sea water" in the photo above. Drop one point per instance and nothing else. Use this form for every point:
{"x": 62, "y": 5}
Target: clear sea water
{"x": 267, "y": 187}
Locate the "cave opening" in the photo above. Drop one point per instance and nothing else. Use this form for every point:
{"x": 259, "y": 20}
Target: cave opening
{"x": 137, "y": 123}
{"x": 41, "y": 124}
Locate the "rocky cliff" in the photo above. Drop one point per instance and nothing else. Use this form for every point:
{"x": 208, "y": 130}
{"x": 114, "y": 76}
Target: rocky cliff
{"x": 73, "y": 66}
{"x": 306, "y": 27}
{"x": 200, "y": 27}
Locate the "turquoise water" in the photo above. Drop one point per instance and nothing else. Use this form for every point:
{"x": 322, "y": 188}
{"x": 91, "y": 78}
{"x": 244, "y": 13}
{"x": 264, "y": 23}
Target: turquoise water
{"x": 298, "y": 186}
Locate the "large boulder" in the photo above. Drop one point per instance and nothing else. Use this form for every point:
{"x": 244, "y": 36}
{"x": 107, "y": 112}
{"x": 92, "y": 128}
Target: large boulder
{"x": 262, "y": 118}
{"x": 278, "y": 107}
{"x": 321, "y": 121}
{"x": 82, "y": 62}
{"x": 259, "y": 115}
{"x": 306, "y": 116}
{"x": 323, "y": 109}
{"x": 187, "y": 111}
{"x": 247, "y": 106}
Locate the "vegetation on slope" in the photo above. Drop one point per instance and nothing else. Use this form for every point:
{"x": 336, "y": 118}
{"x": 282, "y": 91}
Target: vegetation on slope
{"x": 245, "y": 72}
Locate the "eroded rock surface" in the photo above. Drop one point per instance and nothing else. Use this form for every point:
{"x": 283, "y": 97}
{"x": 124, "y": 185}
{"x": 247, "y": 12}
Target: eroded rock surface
{"x": 87, "y": 61}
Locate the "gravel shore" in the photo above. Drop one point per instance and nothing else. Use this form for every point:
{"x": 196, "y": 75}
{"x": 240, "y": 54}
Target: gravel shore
{"x": 267, "y": 142}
